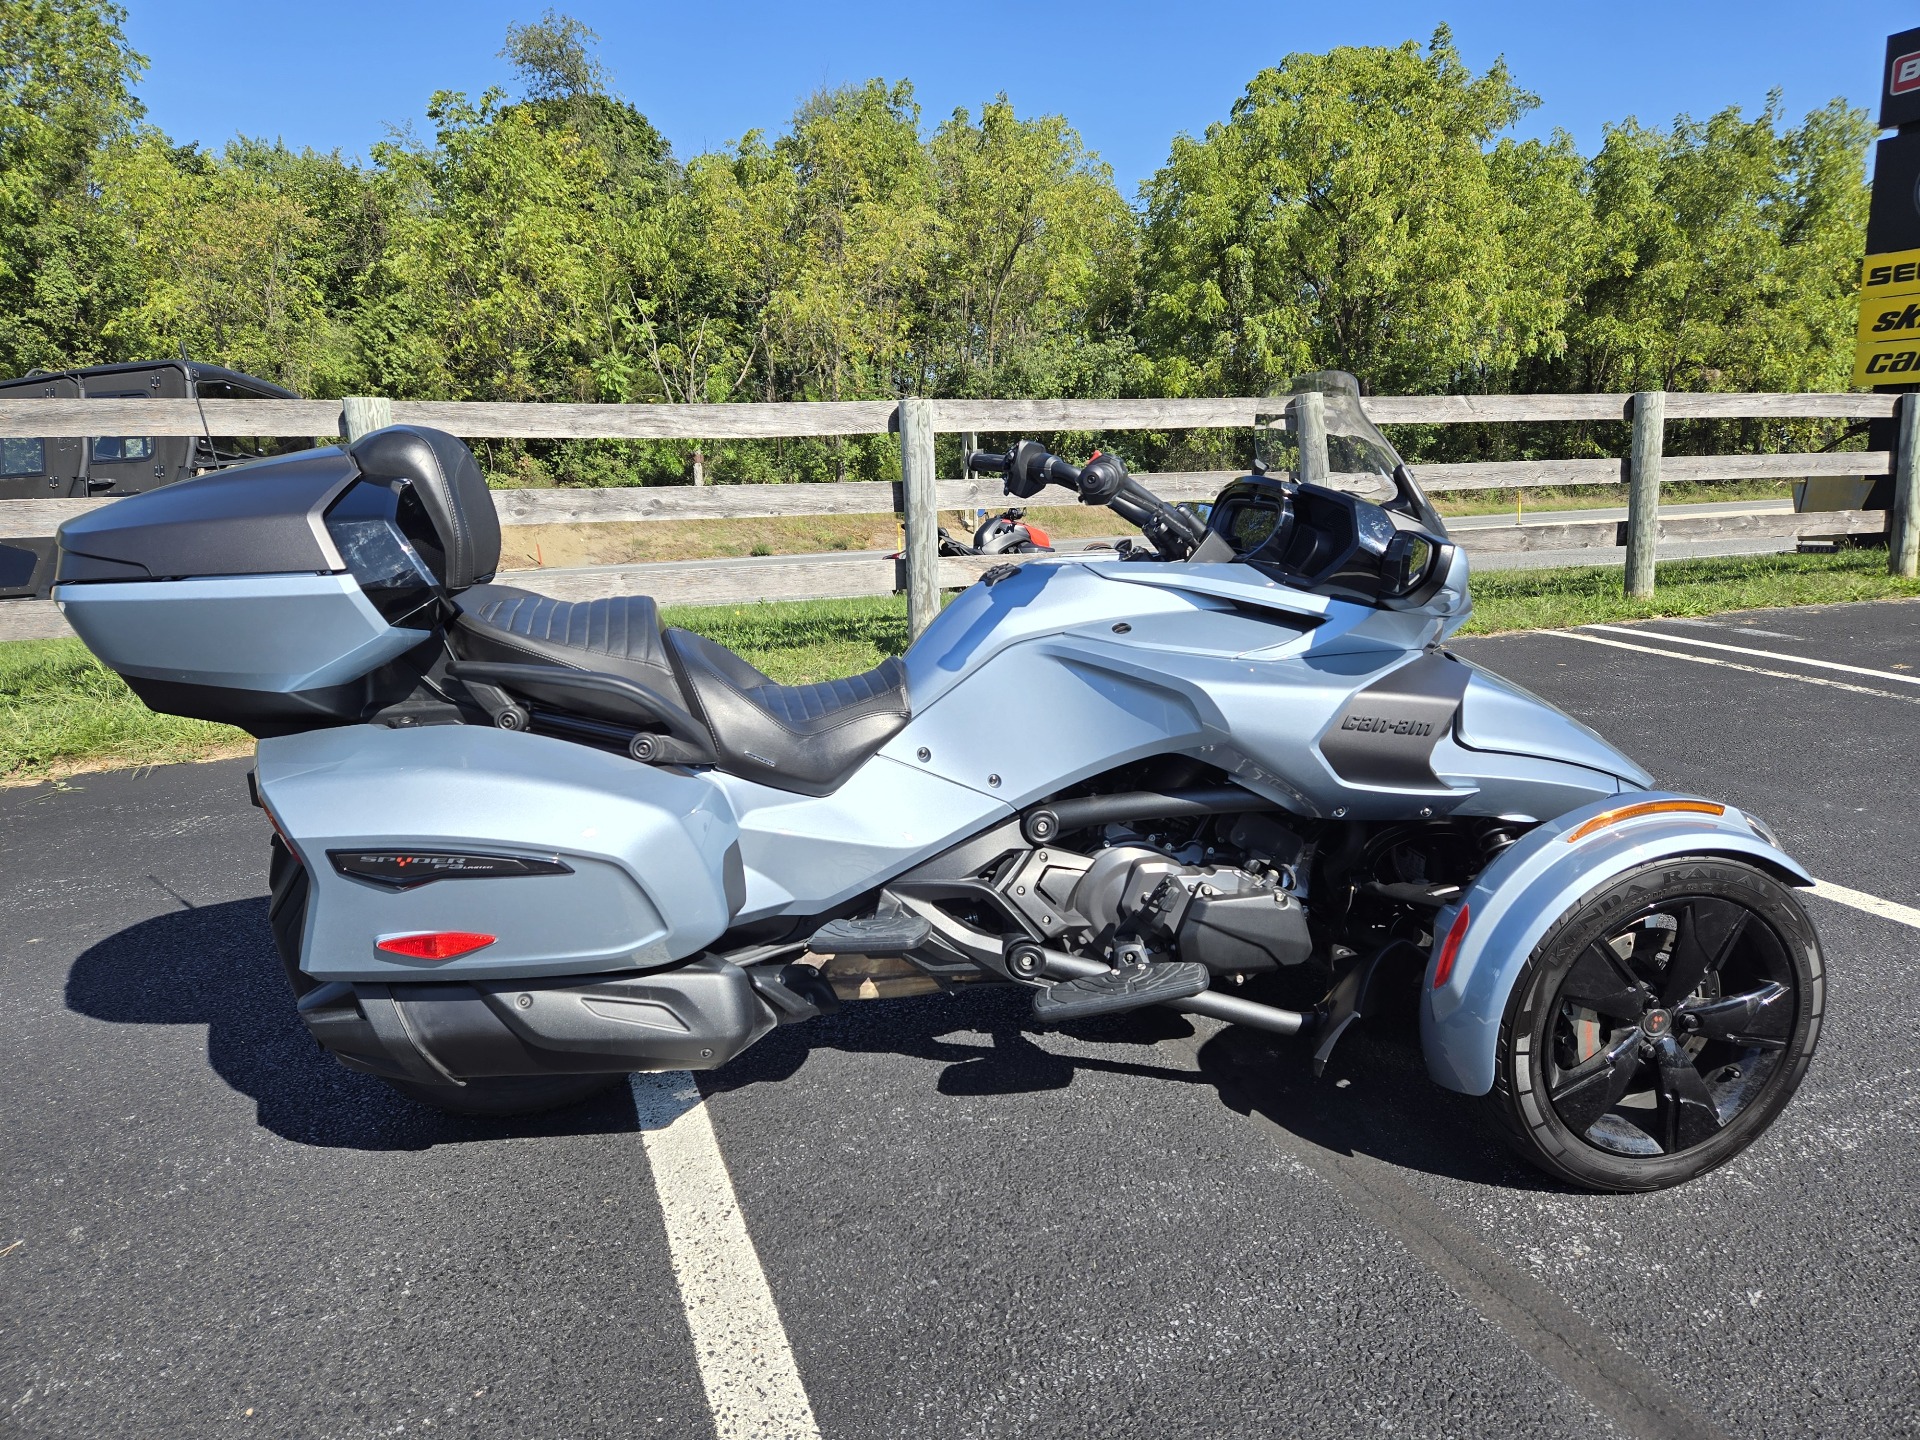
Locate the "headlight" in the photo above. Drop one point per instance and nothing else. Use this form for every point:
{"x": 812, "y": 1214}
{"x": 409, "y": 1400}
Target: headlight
{"x": 1762, "y": 829}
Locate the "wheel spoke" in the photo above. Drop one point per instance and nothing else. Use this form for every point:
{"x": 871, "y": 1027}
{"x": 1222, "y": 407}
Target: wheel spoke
{"x": 1687, "y": 1112}
{"x": 1706, "y": 935}
{"x": 1761, "y": 1018}
{"x": 1595, "y": 1085}
{"x": 1601, "y": 981}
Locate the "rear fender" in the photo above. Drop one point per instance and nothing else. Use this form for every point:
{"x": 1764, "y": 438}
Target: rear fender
{"x": 640, "y": 866}
{"x": 1516, "y": 900}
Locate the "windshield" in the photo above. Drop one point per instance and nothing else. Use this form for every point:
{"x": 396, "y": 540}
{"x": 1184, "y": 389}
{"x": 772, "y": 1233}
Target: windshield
{"x": 1319, "y": 435}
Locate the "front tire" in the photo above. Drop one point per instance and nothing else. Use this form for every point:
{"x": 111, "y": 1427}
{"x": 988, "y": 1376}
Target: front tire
{"x": 1660, "y": 1026}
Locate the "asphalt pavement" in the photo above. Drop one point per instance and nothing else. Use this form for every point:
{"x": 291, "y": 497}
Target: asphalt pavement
{"x": 970, "y": 1227}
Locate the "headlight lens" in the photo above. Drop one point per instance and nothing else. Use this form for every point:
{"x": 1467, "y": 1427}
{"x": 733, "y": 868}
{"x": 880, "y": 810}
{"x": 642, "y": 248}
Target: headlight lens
{"x": 1761, "y": 828}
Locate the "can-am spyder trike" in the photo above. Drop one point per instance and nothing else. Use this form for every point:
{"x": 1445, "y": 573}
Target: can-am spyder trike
{"x": 522, "y": 846}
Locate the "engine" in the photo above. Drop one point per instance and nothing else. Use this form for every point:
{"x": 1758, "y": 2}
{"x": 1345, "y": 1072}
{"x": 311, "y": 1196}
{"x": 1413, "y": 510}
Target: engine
{"x": 1235, "y": 906}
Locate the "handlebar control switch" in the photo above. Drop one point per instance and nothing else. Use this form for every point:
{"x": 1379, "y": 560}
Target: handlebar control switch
{"x": 1101, "y": 478}
{"x": 1027, "y": 469}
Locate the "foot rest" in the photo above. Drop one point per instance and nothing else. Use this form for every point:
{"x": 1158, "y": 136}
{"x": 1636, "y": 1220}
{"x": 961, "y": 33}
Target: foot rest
{"x": 870, "y": 935}
{"x": 1128, "y": 988}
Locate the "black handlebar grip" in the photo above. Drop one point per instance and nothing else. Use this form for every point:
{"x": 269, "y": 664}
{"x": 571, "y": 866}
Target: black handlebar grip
{"x": 988, "y": 462}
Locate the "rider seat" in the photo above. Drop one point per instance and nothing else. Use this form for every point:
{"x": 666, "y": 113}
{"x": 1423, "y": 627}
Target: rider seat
{"x": 807, "y": 738}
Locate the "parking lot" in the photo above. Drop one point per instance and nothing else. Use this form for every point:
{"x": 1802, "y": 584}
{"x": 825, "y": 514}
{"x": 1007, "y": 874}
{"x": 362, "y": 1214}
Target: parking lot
{"x": 966, "y": 1225}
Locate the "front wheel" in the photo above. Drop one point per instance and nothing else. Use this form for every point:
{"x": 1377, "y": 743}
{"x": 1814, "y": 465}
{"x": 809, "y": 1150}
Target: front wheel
{"x": 1660, "y": 1026}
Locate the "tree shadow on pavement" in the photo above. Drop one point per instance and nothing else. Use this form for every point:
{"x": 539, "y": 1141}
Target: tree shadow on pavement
{"x": 215, "y": 966}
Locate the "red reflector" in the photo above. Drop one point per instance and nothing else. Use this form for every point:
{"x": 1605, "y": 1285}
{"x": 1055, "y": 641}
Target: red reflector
{"x": 436, "y": 945}
{"x": 1450, "y": 947}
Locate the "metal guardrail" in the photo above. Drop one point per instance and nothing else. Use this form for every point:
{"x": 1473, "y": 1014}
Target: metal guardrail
{"x": 920, "y": 495}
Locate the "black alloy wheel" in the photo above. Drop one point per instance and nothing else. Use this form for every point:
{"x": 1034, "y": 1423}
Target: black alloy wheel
{"x": 1661, "y": 1025}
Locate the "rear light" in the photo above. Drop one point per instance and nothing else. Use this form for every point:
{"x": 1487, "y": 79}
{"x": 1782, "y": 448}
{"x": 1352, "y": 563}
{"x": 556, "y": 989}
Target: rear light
{"x": 1450, "y": 947}
{"x": 435, "y": 945}
{"x": 1644, "y": 807}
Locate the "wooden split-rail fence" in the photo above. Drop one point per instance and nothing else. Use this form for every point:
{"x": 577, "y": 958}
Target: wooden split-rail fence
{"x": 921, "y": 494}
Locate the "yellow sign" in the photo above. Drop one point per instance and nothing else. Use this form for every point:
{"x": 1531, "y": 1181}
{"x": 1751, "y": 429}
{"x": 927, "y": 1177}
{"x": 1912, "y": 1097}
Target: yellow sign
{"x": 1886, "y": 346}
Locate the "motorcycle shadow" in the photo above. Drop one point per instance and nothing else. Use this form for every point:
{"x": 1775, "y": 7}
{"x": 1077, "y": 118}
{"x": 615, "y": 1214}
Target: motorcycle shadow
{"x": 1009, "y": 1061}
{"x": 215, "y": 966}
{"x": 1375, "y": 1100}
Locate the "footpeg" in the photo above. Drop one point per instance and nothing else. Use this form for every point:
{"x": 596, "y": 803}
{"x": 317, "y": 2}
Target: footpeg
{"x": 1130, "y": 987}
{"x": 871, "y": 935}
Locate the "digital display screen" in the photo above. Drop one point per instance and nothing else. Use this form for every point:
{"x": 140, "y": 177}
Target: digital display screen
{"x": 1250, "y": 526}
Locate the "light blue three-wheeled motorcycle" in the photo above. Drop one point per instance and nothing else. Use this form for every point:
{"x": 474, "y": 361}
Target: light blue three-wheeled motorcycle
{"x": 521, "y": 847}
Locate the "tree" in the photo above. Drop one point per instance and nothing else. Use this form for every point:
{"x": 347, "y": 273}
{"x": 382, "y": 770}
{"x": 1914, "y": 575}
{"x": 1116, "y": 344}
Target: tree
{"x": 250, "y": 258}
{"x": 1355, "y": 212}
{"x": 1728, "y": 256}
{"x": 66, "y": 89}
{"x": 1030, "y": 285}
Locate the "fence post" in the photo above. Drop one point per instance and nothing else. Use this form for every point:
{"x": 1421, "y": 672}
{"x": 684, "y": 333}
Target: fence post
{"x": 1643, "y": 489}
{"x": 920, "y": 502}
{"x": 1903, "y": 520}
{"x": 363, "y": 414}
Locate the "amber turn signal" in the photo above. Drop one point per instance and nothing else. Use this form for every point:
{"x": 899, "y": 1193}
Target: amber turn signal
{"x": 1644, "y": 807}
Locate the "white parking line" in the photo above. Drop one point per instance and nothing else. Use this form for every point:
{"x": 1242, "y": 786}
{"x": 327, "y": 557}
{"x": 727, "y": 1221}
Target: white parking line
{"x": 1872, "y": 904}
{"x": 1763, "y": 654}
{"x": 1736, "y": 665}
{"x": 746, "y": 1364}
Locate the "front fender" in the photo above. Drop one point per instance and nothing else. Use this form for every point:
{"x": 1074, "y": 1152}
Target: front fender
{"x": 1541, "y": 876}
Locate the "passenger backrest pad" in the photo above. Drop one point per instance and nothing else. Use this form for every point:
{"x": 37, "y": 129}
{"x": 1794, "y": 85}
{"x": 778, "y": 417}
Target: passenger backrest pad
{"x": 446, "y": 477}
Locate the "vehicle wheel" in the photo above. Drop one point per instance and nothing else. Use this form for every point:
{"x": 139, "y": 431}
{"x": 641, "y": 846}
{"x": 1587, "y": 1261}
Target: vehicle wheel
{"x": 1660, "y": 1026}
{"x": 506, "y": 1094}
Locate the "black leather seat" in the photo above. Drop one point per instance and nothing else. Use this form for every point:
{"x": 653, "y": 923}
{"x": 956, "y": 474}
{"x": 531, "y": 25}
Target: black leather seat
{"x": 807, "y": 738}
{"x": 619, "y": 636}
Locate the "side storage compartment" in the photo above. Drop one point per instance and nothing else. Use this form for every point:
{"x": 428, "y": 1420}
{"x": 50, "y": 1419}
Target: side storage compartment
{"x": 539, "y": 858}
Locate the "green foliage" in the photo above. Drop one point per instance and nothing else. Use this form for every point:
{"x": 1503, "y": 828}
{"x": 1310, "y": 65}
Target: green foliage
{"x": 66, "y": 90}
{"x": 1355, "y": 212}
{"x": 1367, "y": 208}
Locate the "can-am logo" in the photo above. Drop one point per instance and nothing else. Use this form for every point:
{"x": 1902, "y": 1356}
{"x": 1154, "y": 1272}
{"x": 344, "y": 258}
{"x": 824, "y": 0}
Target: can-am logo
{"x": 1384, "y": 725}
{"x": 1906, "y": 74}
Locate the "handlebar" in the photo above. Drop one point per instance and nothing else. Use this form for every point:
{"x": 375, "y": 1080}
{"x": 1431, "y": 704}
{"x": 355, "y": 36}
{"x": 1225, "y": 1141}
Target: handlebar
{"x": 1103, "y": 480}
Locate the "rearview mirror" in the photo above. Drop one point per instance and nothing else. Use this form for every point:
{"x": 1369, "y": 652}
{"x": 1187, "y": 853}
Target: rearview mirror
{"x": 1406, "y": 564}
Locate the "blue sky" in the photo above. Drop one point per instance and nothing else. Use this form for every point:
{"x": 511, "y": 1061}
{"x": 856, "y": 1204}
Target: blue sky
{"x": 1129, "y": 76}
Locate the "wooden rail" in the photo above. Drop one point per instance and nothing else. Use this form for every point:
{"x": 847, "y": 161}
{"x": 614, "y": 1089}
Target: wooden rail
{"x": 1643, "y": 471}
{"x": 479, "y": 419}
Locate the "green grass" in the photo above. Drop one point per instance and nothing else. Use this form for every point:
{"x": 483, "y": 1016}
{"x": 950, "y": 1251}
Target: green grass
{"x": 1555, "y": 599}
{"x": 61, "y": 712}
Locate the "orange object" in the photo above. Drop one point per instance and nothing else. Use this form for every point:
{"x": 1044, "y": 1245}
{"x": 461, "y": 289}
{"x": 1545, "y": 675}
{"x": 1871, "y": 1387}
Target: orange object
{"x": 1644, "y": 807}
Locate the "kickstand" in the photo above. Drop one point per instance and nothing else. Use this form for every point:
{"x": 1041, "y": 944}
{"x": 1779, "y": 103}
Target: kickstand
{"x": 1353, "y": 996}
